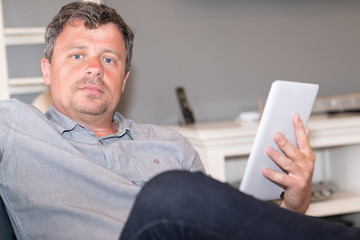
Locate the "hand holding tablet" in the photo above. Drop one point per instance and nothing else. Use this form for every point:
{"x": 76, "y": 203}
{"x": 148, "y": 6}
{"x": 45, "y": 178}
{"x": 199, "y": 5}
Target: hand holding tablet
{"x": 285, "y": 100}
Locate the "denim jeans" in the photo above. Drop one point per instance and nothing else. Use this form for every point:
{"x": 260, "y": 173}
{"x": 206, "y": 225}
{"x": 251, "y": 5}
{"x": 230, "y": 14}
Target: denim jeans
{"x": 182, "y": 205}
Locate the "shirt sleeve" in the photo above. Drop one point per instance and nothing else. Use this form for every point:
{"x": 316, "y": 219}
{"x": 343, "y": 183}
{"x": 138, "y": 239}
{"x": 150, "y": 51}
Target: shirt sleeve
{"x": 5, "y": 121}
{"x": 191, "y": 160}
{"x": 182, "y": 149}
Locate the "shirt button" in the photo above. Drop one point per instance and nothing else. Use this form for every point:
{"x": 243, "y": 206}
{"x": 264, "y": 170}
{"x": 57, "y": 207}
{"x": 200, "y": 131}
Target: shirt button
{"x": 101, "y": 142}
{"x": 156, "y": 161}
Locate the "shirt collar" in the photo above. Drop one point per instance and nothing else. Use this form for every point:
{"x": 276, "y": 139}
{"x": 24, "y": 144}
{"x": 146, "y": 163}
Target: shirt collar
{"x": 123, "y": 124}
{"x": 63, "y": 123}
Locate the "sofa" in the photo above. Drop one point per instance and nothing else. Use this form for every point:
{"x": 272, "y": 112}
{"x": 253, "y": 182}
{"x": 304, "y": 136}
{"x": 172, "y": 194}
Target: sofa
{"x": 6, "y": 230}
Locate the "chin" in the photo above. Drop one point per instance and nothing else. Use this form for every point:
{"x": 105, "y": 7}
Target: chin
{"x": 91, "y": 108}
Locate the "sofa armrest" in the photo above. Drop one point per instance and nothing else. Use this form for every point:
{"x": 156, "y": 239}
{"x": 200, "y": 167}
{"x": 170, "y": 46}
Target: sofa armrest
{"x": 6, "y": 230}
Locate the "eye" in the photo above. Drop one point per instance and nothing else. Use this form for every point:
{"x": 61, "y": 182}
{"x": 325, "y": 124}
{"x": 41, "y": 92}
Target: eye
{"x": 77, "y": 56}
{"x": 108, "y": 60}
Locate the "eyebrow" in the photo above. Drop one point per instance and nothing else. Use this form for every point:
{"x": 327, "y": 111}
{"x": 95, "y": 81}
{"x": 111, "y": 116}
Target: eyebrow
{"x": 82, "y": 47}
{"x": 76, "y": 47}
{"x": 107, "y": 50}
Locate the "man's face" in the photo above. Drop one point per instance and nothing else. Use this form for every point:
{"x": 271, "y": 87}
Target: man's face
{"x": 87, "y": 70}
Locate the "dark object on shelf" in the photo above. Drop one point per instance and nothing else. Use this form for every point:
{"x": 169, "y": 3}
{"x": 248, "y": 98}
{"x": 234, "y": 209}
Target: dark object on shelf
{"x": 185, "y": 114}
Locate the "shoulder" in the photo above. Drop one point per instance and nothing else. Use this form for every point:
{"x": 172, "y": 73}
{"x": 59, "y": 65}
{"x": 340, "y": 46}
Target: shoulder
{"x": 145, "y": 131}
{"x": 13, "y": 110}
{"x": 15, "y": 106}
{"x": 153, "y": 132}
{"x": 7, "y": 103}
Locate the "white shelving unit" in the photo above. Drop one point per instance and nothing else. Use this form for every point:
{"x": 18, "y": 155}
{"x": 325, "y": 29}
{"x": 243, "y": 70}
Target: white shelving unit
{"x": 342, "y": 202}
{"x": 337, "y": 138}
{"x": 4, "y": 88}
{"x": 25, "y": 36}
{"x": 13, "y": 37}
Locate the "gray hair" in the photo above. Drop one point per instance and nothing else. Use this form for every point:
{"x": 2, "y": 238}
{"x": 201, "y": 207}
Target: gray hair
{"x": 93, "y": 15}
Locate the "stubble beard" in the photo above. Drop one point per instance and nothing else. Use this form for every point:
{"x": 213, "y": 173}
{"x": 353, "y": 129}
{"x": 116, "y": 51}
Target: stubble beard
{"x": 90, "y": 105}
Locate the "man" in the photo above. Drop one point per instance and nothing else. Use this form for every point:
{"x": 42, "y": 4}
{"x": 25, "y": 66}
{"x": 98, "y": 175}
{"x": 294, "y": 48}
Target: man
{"x": 74, "y": 173}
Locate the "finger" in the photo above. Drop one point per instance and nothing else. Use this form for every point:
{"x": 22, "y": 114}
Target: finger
{"x": 286, "y": 164}
{"x": 289, "y": 149}
{"x": 307, "y": 131}
{"x": 301, "y": 134}
{"x": 278, "y": 178}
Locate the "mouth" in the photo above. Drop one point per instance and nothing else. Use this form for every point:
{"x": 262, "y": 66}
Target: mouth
{"x": 92, "y": 89}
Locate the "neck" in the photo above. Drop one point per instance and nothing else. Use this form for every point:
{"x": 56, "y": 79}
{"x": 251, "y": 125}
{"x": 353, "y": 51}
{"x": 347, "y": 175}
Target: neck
{"x": 101, "y": 127}
{"x": 104, "y": 132}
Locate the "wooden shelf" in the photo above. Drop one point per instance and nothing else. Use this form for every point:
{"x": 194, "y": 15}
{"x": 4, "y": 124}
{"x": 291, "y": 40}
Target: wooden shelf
{"x": 26, "y": 85}
{"x": 24, "y": 36}
{"x": 342, "y": 202}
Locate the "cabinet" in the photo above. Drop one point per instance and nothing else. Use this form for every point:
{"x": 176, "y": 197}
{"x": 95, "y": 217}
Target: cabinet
{"x": 13, "y": 37}
{"x": 336, "y": 139}
{"x": 4, "y": 88}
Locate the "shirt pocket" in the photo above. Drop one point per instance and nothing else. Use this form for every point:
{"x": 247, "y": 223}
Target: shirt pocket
{"x": 153, "y": 166}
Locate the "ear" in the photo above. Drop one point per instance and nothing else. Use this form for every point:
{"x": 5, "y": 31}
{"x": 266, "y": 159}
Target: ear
{"x": 45, "y": 68}
{"x": 124, "y": 81}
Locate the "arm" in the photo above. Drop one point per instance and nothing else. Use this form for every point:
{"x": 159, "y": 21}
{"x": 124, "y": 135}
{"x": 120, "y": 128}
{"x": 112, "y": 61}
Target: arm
{"x": 298, "y": 163}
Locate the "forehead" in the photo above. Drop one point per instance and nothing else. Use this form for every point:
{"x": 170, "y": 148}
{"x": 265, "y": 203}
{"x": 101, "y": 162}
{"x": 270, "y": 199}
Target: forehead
{"x": 76, "y": 31}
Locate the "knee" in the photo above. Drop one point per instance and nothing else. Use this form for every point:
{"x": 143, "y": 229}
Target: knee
{"x": 163, "y": 192}
{"x": 174, "y": 178}
{"x": 171, "y": 183}
{"x": 181, "y": 188}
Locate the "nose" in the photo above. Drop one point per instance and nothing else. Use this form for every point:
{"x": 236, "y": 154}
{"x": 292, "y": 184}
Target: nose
{"x": 94, "y": 68}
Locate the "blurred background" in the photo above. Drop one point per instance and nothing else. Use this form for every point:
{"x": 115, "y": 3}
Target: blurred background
{"x": 225, "y": 53}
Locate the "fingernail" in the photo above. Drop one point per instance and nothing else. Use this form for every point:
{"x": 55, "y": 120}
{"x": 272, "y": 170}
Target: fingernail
{"x": 278, "y": 136}
{"x": 270, "y": 150}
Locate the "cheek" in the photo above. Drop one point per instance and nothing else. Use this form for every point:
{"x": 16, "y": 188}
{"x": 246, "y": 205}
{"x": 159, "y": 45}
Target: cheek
{"x": 116, "y": 91}
{"x": 67, "y": 75}
{"x": 115, "y": 81}
{"x": 60, "y": 85}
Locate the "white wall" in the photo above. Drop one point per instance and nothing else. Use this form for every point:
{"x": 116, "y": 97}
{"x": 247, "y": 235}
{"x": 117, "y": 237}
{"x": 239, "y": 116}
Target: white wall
{"x": 227, "y": 52}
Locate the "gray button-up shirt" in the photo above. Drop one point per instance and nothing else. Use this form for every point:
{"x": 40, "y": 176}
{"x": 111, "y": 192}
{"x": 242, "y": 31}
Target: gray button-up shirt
{"x": 59, "y": 181}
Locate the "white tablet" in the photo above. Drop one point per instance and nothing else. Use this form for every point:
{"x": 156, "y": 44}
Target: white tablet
{"x": 285, "y": 99}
